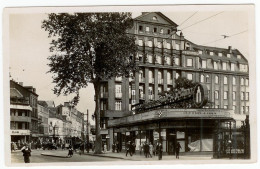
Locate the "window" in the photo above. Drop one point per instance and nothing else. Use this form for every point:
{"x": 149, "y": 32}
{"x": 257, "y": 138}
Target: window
{"x": 177, "y": 46}
{"x": 204, "y": 64}
{"x": 159, "y": 44}
{"x": 161, "y": 31}
{"x": 243, "y": 67}
{"x": 168, "y": 46}
{"x": 211, "y": 53}
{"x": 118, "y": 78}
{"x": 168, "y": 60}
{"x": 118, "y": 105}
{"x": 247, "y": 109}
{"x": 215, "y": 65}
{"x": 228, "y": 55}
{"x": 150, "y": 58}
{"x": 225, "y": 107}
{"x": 232, "y": 66}
{"x": 189, "y": 76}
{"x": 189, "y": 62}
{"x": 155, "y": 18}
{"x": 177, "y": 61}
{"x": 234, "y": 95}
{"x": 216, "y": 80}
{"x": 147, "y": 29}
{"x": 242, "y": 109}
{"x": 247, "y": 82}
{"x": 225, "y": 95}
{"x": 177, "y": 75}
{"x": 242, "y": 96}
{"x": 225, "y": 80}
{"x": 140, "y": 58}
{"x": 159, "y": 59}
{"x": 169, "y": 31}
{"x": 159, "y": 89}
{"x": 118, "y": 88}
{"x": 207, "y": 79}
{"x": 140, "y": 42}
{"x": 160, "y": 81}
{"x": 202, "y": 78}
{"x": 239, "y": 56}
{"x": 169, "y": 78}
{"x": 150, "y": 43}
{"x": 150, "y": 93}
{"x": 155, "y": 30}
{"x": 224, "y": 66}
{"x": 247, "y": 95}
{"x": 242, "y": 81}
{"x": 140, "y": 28}
{"x": 220, "y": 54}
{"x": 216, "y": 94}
{"x": 200, "y": 52}
{"x": 234, "y": 107}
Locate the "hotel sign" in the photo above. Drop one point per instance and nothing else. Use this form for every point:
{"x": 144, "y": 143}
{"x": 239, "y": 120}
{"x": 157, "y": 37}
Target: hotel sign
{"x": 20, "y": 132}
{"x": 188, "y": 52}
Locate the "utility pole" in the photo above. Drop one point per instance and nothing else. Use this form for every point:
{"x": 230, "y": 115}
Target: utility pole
{"x": 83, "y": 134}
{"x": 87, "y": 134}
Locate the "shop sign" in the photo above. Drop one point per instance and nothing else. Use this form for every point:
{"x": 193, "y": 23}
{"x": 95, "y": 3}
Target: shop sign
{"x": 200, "y": 96}
{"x": 20, "y": 132}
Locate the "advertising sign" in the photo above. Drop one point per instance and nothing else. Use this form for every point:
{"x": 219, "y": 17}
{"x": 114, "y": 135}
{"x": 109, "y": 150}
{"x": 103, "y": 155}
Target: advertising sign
{"x": 20, "y": 132}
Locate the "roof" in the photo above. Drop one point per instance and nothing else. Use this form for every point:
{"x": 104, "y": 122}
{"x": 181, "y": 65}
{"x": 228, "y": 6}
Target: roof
{"x": 15, "y": 93}
{"x": 158, "y": 13}
{"x": 49, "y": 103}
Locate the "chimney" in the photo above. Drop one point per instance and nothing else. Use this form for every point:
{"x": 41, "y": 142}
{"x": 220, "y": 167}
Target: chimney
{"x": 230, "y": 49}
{"x": 20, "y": 83}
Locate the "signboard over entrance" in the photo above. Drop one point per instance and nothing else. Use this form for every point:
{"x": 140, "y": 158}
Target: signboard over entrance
{"x": 20, "y": 132}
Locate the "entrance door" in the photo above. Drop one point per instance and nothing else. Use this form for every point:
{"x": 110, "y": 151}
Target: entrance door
{"x": 171, "y": 144}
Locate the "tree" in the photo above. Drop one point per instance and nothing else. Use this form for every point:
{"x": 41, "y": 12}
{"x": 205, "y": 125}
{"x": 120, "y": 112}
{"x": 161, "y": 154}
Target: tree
{"x": 87, "y": 48}
{"x": 182, "y": 82}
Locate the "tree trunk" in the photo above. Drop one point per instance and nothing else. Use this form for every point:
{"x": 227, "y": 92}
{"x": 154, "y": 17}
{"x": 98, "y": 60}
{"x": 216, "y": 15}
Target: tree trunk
{"x": 98, "y": 142}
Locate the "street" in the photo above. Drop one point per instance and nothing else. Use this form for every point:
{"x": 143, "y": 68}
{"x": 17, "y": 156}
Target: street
{"x": 36, "y": 157}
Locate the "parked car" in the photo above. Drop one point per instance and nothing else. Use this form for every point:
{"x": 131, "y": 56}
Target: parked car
{"x": 49, "y": 146}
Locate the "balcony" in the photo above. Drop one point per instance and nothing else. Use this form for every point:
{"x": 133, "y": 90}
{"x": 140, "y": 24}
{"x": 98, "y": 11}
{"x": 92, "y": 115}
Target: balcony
{"x": 21, "y": 119}
{"x": 169, "y": 81}
{"x": 118, "y": 95}
{"x": 141, "y": 80}
{"x": 160, "y": 81}
{"x": 151, "y": 80}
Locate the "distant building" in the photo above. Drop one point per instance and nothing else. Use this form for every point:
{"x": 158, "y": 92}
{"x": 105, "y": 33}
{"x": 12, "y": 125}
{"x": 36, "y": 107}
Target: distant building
{"x": 23, "y": 113}
{"x": 43, "y": 115}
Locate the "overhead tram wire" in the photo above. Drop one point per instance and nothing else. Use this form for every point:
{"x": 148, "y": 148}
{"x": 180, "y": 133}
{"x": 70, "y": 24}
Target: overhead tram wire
{"x": 188, "y": 18}
{"x": 201, "y": 21}
{"x": 225, "y": 37}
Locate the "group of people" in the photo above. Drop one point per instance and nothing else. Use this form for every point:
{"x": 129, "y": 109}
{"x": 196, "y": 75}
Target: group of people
{"x": 130, "y": 148}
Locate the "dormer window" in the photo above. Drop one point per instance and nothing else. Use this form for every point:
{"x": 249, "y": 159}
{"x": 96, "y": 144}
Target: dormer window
{"x": 200, "y": 52}
{"x": 140, "y": 28}
{"x": 220, "y": 54}
{"x": 155, "y": 18}
{"x": 155, "y": 30}
{"x": 211, "y": 53}
{"x": 147, "y": 29}
{"x": 228, "y": 55}
{"x": 161, "y": 31}
{"x": 169, "y": 31}
{"x": 239, "y": 56}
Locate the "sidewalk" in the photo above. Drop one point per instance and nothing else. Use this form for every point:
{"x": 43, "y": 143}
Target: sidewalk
{"x": 135, "y": 157}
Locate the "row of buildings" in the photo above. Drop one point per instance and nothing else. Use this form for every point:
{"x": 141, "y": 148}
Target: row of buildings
{"x": 164, "y": 54}
{"x": 33, "y": 120}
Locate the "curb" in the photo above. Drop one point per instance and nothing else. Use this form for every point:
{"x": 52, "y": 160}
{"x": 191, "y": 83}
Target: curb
{"x": 100, "y": 155}
{"x": 51, "y": 155}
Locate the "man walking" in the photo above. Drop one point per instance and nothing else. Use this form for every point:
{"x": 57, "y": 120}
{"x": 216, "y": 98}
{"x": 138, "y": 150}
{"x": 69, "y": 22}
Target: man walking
{"x": 159, "y": 151}
{"x": 128, "y": 149}
{"x": 26, "y": 153}
{"x": 178, "y": 147}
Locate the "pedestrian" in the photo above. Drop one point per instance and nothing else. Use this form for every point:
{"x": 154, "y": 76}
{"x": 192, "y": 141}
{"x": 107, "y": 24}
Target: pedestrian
{"x": 159, "y": 151}
{"x": 105, "y": 148}
{"x": 113, "y": 147}
{"x": 133, "y": 148}
{"x": 70, "y": 153}
{"x": 177, "y": 149}
{"x": 117, "y": 147}
{"x": 26, "y": 153}
{"x": 128, "y": 147}
{"x": 150, "y": 149}
{"x": 146, "y": 150}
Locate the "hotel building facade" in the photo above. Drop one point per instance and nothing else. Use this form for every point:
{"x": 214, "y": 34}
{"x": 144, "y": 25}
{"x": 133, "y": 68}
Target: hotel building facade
{"x": 164, "y": 55}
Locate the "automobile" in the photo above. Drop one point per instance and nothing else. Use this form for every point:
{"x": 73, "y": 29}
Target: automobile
{"x": 49, "y": 146}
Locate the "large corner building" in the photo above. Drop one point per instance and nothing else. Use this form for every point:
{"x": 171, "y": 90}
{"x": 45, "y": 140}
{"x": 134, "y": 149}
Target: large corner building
{"x": 164, "y": 55}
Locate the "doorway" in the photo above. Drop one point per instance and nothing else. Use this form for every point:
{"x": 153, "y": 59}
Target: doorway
{"x": 171, "y": 143}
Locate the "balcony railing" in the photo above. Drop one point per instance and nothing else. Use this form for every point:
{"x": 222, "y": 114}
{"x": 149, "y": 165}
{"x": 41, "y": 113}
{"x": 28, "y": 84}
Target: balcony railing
{"x": 160, "y": 81}
{"x": 118, "y": 95}
{"x": 141, "y": 79}
{"x": 151, "y": 80}
{"x": 169, "y": 81}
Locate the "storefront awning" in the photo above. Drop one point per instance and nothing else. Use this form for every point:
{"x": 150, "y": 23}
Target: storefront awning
{"x": 173, "y": 114}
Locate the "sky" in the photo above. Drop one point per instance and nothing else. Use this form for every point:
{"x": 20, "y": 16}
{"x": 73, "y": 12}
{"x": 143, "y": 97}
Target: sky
{"x": 29, "y": 46}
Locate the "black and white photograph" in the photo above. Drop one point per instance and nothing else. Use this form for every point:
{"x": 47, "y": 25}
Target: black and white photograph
{"x": 130, "y": 85}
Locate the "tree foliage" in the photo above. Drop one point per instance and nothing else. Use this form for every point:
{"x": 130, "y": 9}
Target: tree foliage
{"x": 182, "y": 82}
{"x": 88, "y": 47}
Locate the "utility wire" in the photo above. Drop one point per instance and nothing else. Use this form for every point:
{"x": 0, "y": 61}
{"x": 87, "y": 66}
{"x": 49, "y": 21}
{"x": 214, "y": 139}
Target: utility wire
{"x": 225, "y": 37}
{"x": 202, "y": 20}
{"x": 188, "y": 18}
